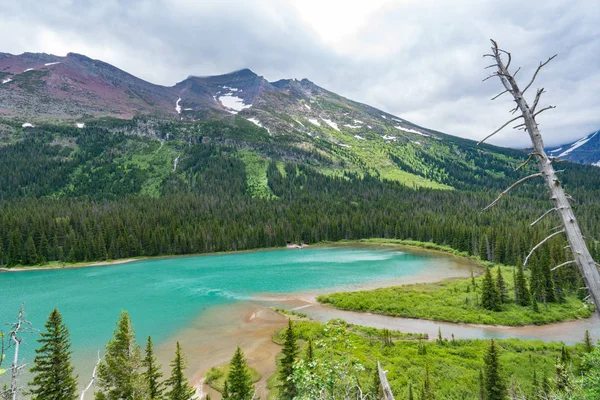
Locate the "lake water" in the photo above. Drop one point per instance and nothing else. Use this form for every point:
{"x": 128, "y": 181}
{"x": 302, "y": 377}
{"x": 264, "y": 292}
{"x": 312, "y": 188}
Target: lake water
{"x": 212, "y": 303}
{"x": 163, "y": 296}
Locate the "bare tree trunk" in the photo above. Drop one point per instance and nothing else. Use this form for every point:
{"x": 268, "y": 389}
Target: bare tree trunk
{"x": 580, "y": 252}
{"x": 18, "y": 327}
{"x": 387, "y": 391}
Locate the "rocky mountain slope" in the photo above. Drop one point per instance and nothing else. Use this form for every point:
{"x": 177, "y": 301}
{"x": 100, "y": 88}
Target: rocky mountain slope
{"x": 584, "y": 151}
{"x": 289, "y": 120}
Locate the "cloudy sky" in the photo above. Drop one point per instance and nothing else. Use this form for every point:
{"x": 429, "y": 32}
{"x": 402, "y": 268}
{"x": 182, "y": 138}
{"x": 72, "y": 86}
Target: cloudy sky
{"x": 421, "y": 60}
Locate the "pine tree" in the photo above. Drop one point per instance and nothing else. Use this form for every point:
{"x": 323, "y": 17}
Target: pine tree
{"x": 119, "y": 374}
{"x": 30, "y": 255}
{"x": 495, "y": 388}
{"x": 225, "y": 393}
{"x": 490, "y": 298}
{"x": 375, "y": 384}
{"x": 563, "y": 380}
{"x": 310, "y": 351}
{"x": 427, "y": 389}
{"x": 501, "y": 285}
{"x": 481, "y": 385}
{"x": 534, "y": 304}
{"x": 179, "y": 388}
{"x": 287, "y": 387}
{"x": 588, "y": 346}
{"x": 240, "y": 385}
{"x": 535, "y": 385}
{"x": 53, "y": 377}
{"x": 152, "y": 373}
{"x": 523, "y": 296}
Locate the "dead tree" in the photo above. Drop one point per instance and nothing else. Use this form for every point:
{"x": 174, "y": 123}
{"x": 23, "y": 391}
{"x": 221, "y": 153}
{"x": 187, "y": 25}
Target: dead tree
{"x": 387, "y": 391}
{"x": 94, "y": 378}
{"x": 16, "y": 329}
{"x": 501, "y": 64}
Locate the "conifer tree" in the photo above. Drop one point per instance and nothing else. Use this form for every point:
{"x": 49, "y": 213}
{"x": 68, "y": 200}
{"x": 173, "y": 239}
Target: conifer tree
{"x": 30, "y": 255}
{"x": 481, "y": 385}
{"x": 53, "y": 376}
{"x": 563, "y": 380}
{"x": 495, "y": 388}
{"x": 119, "y": 375}
{"x": 501, "y": 285}
{"x": 427, "y": 389}
{"x": 588, "y": 346}
{"x": 239, "y": 382}
{"x": 490, "y": 298}
{"x": 535, "y": 385}
{"x": 534, "y": 304}
{"x": 287, "y": 388}
{"x": 375, "y": 384}
{"x": 225, "y": 393}
{"x": 310, "y": 351}
{"x": 179, "y": 388}
{"x": 523, "y": 296}
{"x": 152, "y": 374}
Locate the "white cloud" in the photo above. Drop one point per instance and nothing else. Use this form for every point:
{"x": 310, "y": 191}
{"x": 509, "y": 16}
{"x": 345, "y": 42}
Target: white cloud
{"x": 420, "y": 60}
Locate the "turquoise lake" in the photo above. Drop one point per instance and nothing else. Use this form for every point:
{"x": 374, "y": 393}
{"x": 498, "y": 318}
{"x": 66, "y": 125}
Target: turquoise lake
{"x": 165, "y": 295}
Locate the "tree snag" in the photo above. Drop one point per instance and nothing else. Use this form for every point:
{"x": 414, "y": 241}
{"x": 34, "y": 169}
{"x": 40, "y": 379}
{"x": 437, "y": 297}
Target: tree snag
{"x": 571, "y": 229}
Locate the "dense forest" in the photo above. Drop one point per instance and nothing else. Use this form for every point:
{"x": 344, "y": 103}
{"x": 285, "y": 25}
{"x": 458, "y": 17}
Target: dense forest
{"x": 74, "y": 195}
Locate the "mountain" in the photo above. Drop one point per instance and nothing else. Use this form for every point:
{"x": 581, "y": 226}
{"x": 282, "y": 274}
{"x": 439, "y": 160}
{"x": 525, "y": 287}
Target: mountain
{"x": 298, "y": 120}
{"x": 584, "y": 151}
{"x": 96, "y": 163}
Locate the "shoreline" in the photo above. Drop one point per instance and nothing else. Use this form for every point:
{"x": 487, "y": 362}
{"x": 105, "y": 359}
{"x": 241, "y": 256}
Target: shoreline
{"x": 416, "y": 246}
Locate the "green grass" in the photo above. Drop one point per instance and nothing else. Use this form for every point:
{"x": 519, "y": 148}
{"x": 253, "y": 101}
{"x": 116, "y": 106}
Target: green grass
{"x": 256, "y": 174}
{"x": 454, "y": 365}
{"x": 455, "y": 301}
{"x": 216, "y": 376}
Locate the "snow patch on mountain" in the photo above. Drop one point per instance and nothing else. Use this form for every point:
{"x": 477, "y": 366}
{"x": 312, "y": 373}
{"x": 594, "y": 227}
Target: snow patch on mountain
{"x": 52, "y": 63}
{"x": 300, "y": 123}
{"x": 357, "y": 121}
{"x": 411, "y": 131}
{"x": 556, "y": 150}
{"x": 307, "y": 106}
{"x": 80, "y": 125}
{"x": 388, "y": 137}
{"x": 577, "y": 144}
{"x": 177, "y": 106}
{"x": 233, "y": 103}
{"x": 359, "y": 137}
{"x": 314, "y": 121}
{"x": 352, "y": 126}
{"x": 256, "y": 122}
{"x": 27, "y": 125}
{"x": 232, "y": 89}
{"x": 6, "y": 80}
{"x": 29, "y": 69}
{"x": 331, "y": 124}
{"x": 384, "y": 117}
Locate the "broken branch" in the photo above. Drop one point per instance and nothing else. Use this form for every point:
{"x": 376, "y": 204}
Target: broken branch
{"x": 536, "y": 72}
{"x": 511, "y": 187}
{"x": 539, "y": 244}
{"x": 498, "y": 130}
{"x": 563, "y": 264}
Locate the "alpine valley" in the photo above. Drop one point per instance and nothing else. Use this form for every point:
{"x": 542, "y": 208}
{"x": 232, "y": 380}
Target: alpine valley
{"x": 97, "y": 165}
{"x": 253, "y": 164}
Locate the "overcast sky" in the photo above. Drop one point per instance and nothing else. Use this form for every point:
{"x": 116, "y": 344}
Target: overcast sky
{"x": 420, "y": 60}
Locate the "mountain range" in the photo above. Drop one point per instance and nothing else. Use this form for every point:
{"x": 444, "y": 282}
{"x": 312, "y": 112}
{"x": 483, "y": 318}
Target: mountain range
{"x": 585, "y": 150}
{"x": 288, "y": 120}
